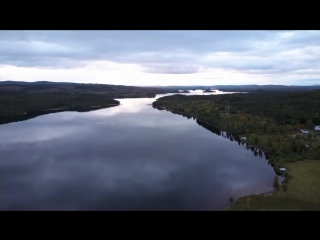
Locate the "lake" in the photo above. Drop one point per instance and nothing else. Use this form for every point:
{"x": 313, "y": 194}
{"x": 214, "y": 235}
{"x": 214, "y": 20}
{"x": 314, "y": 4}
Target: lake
{"x": 128, "y": 157}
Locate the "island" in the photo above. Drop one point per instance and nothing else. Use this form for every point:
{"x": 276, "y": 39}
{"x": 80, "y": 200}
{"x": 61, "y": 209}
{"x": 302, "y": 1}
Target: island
{"x": 279, "y": 123}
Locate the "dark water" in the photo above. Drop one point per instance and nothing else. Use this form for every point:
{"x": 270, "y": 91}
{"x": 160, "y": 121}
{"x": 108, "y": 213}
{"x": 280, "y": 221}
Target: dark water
{"x": 130, "y": 157}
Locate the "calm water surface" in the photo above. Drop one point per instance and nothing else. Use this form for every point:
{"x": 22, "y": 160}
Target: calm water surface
{"x": 129, "y": 157}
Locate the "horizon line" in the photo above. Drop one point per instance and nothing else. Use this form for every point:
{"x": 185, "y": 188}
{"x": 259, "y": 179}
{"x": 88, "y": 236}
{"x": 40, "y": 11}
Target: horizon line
{"x": 292, "y": 85}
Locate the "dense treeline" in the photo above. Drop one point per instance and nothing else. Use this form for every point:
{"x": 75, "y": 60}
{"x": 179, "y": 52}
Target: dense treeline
{"x": 282, "y": 108}
{"x": 269, "y": 121}
{"x": 19, "y": 118}
{"x": 26, "y": 103}
{"x": 18, "y": 98}
{"x": 248, "y": 88}
{"x": 109, "y": 91}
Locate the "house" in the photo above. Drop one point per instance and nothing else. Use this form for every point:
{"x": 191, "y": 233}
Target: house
{"x": 317, "y": 128}
{"x": 304, "y": 131}
{"x": 282, "y": 169}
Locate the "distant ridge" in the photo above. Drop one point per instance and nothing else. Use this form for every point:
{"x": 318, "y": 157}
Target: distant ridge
{"x": 248, "y": 87}
{"x": 9, "y": 82}
{"x": 47, "y": 83}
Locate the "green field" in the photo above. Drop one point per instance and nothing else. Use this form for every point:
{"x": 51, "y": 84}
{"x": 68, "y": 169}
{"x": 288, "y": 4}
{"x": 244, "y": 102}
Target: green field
{"x": 303, "y": 192}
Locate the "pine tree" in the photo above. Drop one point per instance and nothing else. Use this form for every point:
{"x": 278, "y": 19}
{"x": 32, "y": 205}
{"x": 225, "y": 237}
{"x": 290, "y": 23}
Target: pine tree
{"x": 309, "y": 124}
{"x": 276, "y": 182}
{"x": 231, "y": 200}
{"x": 285, "y": 188}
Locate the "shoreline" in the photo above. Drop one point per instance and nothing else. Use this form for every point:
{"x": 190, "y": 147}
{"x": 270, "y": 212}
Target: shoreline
{"x": 26, "y": 116}
{"x": 267, "y": 193}
{"x": 265, "y": 129}
{"x": 58, "y": 109}
{"x": 242, "y": 135}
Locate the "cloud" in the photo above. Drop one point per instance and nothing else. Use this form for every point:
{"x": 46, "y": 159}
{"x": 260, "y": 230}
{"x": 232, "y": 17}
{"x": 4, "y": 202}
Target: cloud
{"x": 265, "y": 53}
{"x": 29, "y": 47}
{"x": 171, "y": 69}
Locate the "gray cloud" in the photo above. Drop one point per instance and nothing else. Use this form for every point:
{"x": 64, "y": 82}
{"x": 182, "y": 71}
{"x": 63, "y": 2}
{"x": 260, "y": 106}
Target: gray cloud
{"x": 171, "y": 69}
{"x": 177, "y": 52}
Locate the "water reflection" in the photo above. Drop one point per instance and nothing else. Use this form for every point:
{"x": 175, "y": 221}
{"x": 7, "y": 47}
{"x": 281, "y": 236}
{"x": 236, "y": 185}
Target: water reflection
{"x": 231, "y": 137}
{"x": 128, "y": 105}
{"x": 131, "y": 157}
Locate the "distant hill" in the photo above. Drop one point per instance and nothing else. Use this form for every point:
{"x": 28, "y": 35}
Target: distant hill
{"x": 19, "y": 88}
{"x": 20, "y": 83}
{"x": 248, "y": 88}
{"x": 230, "y": 88}
{"x": 19, "y": 98}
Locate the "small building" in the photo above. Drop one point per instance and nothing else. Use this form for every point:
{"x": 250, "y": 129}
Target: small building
{"x": 243, "y": 138}
{"x": 282, "y": 169}
{"x": 317, "y": 128}
{"x": 304, "y": 131}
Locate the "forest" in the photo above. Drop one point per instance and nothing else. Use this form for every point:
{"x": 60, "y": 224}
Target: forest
{"x": 247, "y": 88}
{"x": 24, "y": 107}
{"x": 26, "y": 103}
{"x": 266, "y": 122}
{"x": 22, "y": 100}
{"x": 269, "y": 121}
{"x": 110, "y": 91}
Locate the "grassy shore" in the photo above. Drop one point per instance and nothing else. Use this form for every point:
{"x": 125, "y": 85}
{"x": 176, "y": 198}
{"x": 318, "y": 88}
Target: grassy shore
{"x": 303, "y": 192}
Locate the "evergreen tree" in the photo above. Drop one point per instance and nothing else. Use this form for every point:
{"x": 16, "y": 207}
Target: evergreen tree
{"x": 309, "y": 124}
{"x": 285, "y": 188}
{"x": 276, "y": 182}
{"x": 231, "y": 200}
{"x": 248, "y": 203}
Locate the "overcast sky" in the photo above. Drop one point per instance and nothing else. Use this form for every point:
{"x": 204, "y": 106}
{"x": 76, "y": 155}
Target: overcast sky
{"x": 162, "y": 57}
